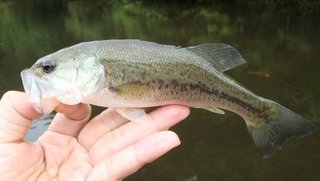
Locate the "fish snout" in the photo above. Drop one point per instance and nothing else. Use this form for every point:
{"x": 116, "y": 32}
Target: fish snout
{"x": 32, "y": 86}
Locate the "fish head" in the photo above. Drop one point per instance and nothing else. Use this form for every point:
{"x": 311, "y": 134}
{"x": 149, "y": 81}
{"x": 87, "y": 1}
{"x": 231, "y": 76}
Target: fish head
{"x": 67, "y": 76}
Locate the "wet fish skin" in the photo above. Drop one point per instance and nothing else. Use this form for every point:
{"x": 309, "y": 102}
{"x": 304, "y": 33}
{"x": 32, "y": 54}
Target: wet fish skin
{"x": 135, "y": 74}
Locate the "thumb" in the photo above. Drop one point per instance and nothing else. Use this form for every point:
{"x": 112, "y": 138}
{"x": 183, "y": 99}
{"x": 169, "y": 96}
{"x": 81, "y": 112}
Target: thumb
{"x": 16, "y": 115}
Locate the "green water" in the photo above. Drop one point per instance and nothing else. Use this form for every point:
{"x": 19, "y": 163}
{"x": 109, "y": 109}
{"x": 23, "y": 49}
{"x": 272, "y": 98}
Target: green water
{"x": 280, "y": 42}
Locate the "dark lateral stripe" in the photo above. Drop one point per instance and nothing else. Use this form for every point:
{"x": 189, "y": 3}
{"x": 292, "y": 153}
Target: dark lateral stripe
{"x": 241, "y": 103}
{"x": 149, "y": 74}
{"x": 211, "y": 91}
{"x": 200, "y": 87}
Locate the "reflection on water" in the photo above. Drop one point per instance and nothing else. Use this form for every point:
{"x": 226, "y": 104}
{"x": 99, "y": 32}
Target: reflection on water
{"x": 279, "y": 41}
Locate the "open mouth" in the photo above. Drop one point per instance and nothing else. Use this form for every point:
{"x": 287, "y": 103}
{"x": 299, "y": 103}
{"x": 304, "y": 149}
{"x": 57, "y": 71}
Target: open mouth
{"x": 37, "y": 95}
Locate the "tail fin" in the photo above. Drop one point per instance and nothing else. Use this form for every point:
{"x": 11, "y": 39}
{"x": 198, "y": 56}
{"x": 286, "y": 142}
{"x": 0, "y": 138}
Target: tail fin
{"x": 279, "y": 126}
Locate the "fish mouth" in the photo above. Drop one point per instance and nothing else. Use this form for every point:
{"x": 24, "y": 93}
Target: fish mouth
{"x": 39, "y": 97}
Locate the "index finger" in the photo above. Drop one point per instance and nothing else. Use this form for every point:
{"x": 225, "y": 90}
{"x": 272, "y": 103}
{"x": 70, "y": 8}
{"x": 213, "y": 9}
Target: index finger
{"x": 16, "y": 115}
{"x": 70, "y": 119}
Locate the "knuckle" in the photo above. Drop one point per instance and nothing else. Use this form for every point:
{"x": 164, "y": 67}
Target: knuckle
{"x": 7, "y": 95}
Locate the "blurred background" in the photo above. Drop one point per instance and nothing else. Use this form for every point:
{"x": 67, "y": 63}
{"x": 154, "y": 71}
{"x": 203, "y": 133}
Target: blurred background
{"x": 279, "y": 40}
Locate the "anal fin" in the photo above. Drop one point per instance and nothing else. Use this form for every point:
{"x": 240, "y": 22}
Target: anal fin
{"x": 213, "y": 109}
{"x": 132, "y": 114}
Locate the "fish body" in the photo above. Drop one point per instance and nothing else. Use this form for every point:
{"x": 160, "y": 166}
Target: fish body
{"x": 132, "y": 74}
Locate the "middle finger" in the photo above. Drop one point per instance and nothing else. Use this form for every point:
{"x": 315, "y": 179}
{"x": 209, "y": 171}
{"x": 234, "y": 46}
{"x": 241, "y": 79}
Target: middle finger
{"x": 105, "y": 122}
{"x": 160, "y": 119}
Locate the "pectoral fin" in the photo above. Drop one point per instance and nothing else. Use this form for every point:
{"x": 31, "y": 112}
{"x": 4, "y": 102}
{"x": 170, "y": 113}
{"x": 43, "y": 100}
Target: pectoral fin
{"x": 132, "y": 114}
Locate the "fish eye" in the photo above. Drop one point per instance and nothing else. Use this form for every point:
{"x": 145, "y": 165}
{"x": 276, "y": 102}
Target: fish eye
{"x": 47, "y": 67}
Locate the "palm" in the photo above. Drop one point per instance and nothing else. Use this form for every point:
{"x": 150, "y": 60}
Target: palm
{"x": 54, "y": 156}
{"x": 107, "y": 148}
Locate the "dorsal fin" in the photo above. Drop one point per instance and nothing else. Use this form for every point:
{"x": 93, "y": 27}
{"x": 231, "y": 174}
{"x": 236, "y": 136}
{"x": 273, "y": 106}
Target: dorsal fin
{"x": 222, "y": 56}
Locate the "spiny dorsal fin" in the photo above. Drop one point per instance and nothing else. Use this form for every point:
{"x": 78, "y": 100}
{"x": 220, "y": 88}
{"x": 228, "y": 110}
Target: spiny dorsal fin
{"x": 222, "y": 56}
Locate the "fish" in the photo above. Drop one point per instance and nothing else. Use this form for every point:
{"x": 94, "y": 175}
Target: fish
{"x": 130, "y": 75}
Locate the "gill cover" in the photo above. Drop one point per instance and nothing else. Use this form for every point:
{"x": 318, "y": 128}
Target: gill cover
{"x": 70, "y": 82}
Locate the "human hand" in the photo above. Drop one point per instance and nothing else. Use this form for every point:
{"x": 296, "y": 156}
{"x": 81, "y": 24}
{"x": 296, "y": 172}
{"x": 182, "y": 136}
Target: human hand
{"x": 109, "y": 147}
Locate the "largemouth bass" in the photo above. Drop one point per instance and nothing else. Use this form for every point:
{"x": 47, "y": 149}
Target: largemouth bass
{"x": 129, "y": 75}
